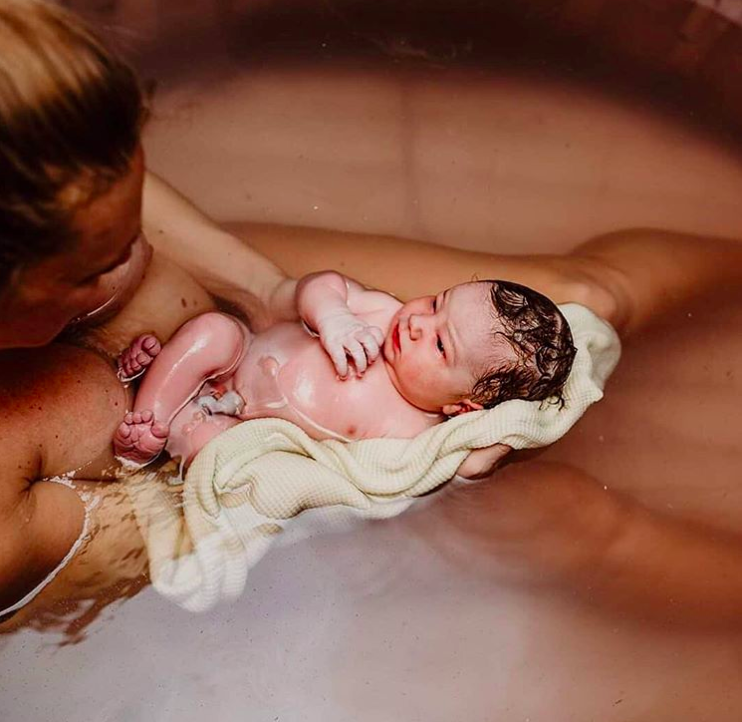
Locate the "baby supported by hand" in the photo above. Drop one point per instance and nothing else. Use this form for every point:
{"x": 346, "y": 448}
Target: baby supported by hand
{"x": 359, "y": 365}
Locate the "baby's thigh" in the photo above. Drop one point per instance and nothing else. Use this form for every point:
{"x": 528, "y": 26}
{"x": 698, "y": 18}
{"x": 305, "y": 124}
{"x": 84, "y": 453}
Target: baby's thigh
{"x": 216, "y": 342}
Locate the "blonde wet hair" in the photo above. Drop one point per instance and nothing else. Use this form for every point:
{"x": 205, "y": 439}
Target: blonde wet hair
{"x": 71, "y": 113}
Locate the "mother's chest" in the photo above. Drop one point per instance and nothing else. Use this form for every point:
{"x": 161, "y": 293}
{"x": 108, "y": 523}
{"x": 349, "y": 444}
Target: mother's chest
{"x": 167, "y": 297}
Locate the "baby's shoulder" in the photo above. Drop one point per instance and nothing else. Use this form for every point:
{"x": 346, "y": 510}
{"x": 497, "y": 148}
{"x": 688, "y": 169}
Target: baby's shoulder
{"x": 383, "y": 411}
{"x": 374, "y": 304}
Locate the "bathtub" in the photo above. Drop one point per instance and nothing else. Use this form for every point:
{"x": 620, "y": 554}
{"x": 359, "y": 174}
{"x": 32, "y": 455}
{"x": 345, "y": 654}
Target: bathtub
{"x": 503, "y": 129}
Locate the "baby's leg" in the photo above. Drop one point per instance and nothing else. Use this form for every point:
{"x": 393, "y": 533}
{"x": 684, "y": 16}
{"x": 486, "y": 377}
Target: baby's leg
{"x": 206, "y": 347}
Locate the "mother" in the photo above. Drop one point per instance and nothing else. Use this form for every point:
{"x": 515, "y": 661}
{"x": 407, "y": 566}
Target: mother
{"x": 79, "y": 279}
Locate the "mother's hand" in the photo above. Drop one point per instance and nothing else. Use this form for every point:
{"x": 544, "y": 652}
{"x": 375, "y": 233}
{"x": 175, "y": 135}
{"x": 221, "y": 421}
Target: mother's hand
{"x": 482, "y": 462}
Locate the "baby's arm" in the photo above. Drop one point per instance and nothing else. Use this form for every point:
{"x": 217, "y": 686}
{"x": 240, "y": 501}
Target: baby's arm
{"x": 324, "y": 302}
{"x": 207, "y": 346}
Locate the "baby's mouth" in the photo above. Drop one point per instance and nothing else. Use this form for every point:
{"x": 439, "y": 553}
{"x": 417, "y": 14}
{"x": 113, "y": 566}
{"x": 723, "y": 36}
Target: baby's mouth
{"x": 395, "y": 339}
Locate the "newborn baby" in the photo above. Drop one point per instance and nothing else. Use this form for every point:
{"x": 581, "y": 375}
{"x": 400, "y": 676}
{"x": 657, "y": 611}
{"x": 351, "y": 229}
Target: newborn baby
{"x": 467, "y": 348}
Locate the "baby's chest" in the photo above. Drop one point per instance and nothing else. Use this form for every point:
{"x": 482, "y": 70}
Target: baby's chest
{"x": 293, "y": 378}
{"x": 357, "y": 408}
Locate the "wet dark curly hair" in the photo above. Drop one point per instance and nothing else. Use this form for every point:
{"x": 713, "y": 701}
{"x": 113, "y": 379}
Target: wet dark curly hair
{"x": 543, "y": 345}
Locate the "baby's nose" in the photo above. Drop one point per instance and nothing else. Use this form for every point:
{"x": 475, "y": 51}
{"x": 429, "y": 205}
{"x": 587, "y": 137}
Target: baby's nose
{"x": 417, "y": 326}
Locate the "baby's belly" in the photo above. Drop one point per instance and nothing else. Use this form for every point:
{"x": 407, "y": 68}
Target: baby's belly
{"x": 287, "y": 374}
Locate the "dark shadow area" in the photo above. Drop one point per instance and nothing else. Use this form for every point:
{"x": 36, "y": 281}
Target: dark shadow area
{"x": 682, "y": 58}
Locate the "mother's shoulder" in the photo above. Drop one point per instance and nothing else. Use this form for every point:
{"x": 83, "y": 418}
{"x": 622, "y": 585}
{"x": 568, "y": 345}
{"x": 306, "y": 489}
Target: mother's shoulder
{"x": 57, "y": 381}
{"x": 28, "y": 371}
{"x": 62, "y": 401}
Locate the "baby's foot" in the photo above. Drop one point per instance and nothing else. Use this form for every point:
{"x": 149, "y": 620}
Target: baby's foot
{"x": 134, "y": 360}
{"x": 139, "y": 439}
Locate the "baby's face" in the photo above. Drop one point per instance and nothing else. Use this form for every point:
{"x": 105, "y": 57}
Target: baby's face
{"x": 438, "y": 346}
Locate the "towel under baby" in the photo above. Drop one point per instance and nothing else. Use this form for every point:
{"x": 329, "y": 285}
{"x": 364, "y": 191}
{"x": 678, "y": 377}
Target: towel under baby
{"x": 245, "y": 485}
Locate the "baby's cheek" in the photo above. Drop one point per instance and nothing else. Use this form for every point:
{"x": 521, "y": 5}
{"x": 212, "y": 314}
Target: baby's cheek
{"x": 416, "y": 374}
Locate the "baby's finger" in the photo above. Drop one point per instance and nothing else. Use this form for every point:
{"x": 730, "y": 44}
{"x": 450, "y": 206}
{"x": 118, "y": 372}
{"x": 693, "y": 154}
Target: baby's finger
{"x": 337, "y": 354}
{"x": 358, "y": 353}
{"x": 378, "y": 334}
{"x": 369, "y": 343}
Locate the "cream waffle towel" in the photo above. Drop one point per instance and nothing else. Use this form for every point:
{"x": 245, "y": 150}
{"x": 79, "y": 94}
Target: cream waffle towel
{"x": 243, "y": 487}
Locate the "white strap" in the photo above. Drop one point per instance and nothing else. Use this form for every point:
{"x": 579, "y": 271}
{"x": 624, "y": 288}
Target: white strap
{"x": 73, "y": 550}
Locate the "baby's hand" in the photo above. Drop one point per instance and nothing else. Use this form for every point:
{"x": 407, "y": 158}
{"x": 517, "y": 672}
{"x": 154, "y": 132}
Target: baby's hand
{"x": 346, "y": 335}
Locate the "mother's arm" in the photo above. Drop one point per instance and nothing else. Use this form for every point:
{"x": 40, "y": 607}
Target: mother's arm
{"x": 39, "y": 522}
{"x": 226, "y": 266}
{"x": 482, "y": 462}
{"x": 629, "y": 277}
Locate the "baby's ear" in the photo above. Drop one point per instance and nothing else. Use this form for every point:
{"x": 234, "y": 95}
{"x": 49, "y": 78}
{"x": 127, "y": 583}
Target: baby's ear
{"x": 461, "y": 407}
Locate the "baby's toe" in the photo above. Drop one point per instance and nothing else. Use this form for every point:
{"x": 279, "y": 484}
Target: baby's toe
{"x": 151, "y": 345}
